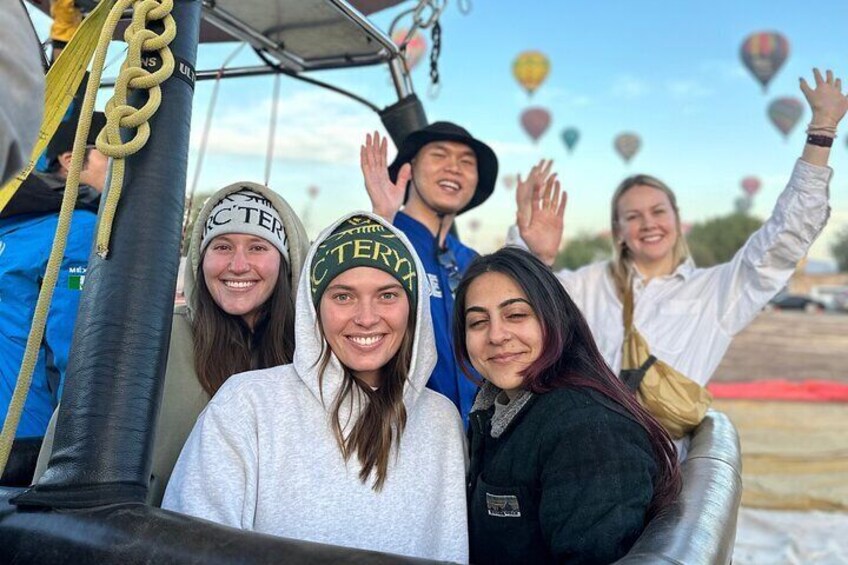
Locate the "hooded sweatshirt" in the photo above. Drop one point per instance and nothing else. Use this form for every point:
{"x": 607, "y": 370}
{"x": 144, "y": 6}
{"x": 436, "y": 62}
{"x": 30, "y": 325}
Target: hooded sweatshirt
{"x": 263, "y": 456}
{"x": 184, "y": 398}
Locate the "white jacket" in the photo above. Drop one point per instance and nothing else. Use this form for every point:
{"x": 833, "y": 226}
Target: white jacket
{"x": 689, "y": 318}
{"x": 262, "y": 456}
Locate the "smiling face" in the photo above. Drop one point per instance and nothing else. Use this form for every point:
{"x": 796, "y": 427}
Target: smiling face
{"x": 503, "y": 335}
{"x": 647, "y": 225}
{"x": 241, "y": 272}
{"x": 364, "y": 313}
{"x": 445, "y": 176}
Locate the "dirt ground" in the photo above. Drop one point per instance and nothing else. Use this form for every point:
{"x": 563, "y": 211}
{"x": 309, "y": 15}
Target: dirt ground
{"x": 789, "y": 345}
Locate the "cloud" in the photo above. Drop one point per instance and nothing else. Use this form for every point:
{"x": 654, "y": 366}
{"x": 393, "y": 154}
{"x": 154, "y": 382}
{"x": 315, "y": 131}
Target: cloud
{"x": 724, "y": 69}
{"x": 318, "y": 127}
{"x": 629, "y": 86}
{"x": 688, "y": 89}
{"x": 506, "y": 149}
{"x": 551, "y": 95}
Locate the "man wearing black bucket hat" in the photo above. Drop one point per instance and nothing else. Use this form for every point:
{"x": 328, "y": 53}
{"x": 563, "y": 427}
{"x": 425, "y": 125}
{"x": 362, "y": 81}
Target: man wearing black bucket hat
{"x": 27, "y": 226}
{"x": 440, "y": 171}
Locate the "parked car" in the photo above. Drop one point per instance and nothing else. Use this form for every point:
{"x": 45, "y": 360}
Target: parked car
{"x": 840, "y": 301}
{"x": 786, "y": 301}
{"x": 827, "y": 294}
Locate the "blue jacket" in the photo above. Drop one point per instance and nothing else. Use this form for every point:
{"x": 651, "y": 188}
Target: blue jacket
{"x": 25, "y": 243}
{"x": 447, "y": 378}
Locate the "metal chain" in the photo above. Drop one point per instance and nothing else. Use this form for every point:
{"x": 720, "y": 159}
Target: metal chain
{"x": 435, "y": 51}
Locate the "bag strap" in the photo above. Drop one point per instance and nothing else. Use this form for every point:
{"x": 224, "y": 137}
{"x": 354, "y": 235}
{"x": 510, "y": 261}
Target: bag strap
{"x": 633, "y": 377}
{"x": 627, "y": 307}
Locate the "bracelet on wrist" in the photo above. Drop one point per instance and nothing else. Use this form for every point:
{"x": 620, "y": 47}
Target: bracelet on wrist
{"x": 820, "y": 140}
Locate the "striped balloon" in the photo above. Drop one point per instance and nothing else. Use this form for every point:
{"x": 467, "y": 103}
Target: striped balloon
{"x": 764, "y": 53}
{"x": 784, "y": 113}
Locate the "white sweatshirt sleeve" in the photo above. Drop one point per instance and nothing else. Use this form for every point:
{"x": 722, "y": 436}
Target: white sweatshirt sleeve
{"x": 216, "y": 475}
{"x": 765, "y": 263}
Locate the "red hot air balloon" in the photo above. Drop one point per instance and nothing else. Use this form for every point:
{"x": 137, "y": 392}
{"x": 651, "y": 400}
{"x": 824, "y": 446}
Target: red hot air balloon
{"x": 313, "y": 191}
{"x": 627, "y": 145}
{"x": 535, "y": 121}
{"x": 415, "y": 49}
{"x": 785, "y": 113}
{"x": 474, "y": 225}
{"x": 751, "y": 185}
{"x": 508, "y": 181}
{"x": 763, "y": 54}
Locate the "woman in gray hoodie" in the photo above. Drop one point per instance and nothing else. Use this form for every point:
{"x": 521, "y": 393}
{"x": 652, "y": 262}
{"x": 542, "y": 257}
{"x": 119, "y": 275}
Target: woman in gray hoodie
{"x": 344, "y": 446}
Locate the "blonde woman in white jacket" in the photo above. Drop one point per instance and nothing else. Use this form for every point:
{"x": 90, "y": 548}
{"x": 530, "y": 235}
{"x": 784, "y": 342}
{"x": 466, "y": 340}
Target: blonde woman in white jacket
{"x": 688, "y": 315}
{"x": 344, "y": 446}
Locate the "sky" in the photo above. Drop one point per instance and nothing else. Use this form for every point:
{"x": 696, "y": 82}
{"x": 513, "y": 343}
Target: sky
{"x": 669, "y": 71}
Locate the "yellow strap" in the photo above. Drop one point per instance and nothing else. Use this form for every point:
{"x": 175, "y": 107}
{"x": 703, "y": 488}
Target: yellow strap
{"x": 61, "y": 84}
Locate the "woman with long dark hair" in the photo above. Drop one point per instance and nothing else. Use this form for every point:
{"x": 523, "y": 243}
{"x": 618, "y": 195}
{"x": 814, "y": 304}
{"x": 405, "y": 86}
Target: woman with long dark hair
{"x": 565, "y": 463}
{"x": 244, "y": 261}
{"x": 345, "y": 445}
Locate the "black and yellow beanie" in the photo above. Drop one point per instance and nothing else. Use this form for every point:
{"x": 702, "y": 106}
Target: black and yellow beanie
{"x": 361, "y": 241}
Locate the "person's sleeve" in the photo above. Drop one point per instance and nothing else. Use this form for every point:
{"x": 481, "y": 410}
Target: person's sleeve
{"x": 596, "y": 486}
{"x": 768, "y": 259}
{"x": 216, "y": 475}
{"x": 62, "y": 316}
{"x": 22, "y": 99}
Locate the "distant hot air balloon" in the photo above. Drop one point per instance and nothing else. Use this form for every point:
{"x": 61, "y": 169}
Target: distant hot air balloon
{"x": 415, "y": 49}
{"x": 627, "y": 145}
{"x": 530, "y": 69}
{"x": 764, "y": 53}
{"x": 313, "y": 191}
{"x": 751, "y": 185}
{"x": 474, "y": 225}
{"x": 535, "y": 121}
{"x": 570, "y": 136}
{"x": 785, "y": 113}
{"x": 508, "y": 181}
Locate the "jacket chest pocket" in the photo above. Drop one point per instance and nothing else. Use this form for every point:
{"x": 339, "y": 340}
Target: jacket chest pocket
{"x": 504, "y": 525}
{"x": 673, "y": 325}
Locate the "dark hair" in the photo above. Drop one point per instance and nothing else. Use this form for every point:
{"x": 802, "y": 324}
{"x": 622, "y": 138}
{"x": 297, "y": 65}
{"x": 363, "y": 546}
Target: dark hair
{"x": 570, "y": 357}
{"x": 54, "y": 165}
{"x": 383, "y": 420}
{"x": 223, "y": 343}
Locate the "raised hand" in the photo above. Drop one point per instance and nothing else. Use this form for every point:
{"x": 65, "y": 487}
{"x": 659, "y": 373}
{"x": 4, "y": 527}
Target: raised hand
{"x": 541, "y": 209}
{"x": 826, "y": 101}
{"x": 386, "y": 196}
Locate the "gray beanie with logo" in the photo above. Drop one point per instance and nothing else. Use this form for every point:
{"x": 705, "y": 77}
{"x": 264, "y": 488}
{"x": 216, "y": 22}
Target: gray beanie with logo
{"x": 246, "y": 212}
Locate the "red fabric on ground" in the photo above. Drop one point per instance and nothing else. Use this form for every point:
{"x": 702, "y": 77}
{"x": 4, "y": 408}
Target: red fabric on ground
{"x": 781, "y": 389}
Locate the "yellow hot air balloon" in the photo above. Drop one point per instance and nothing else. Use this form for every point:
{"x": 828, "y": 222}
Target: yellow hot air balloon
{"x": 530, "y": 69}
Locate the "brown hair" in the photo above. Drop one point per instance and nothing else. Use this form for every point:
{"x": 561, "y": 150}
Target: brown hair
{"x": 622, "y": 262}
{"x": 383, "y": 420}
{"x": 223, "y": 343}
